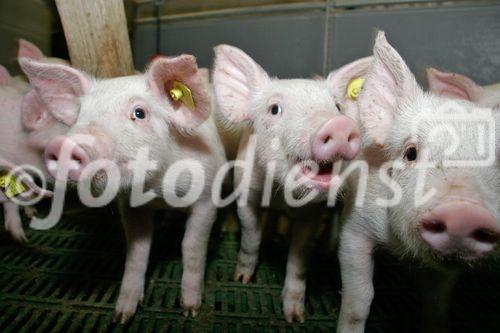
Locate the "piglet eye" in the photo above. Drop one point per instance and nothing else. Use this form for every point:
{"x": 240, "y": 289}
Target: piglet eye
{"x": 411, "y": 153}
{"x": 275, "y": 109}
{"x": 138, "y": 113}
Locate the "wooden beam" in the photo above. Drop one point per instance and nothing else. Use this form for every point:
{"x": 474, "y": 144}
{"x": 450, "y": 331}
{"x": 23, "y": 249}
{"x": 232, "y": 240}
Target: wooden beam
{"x": 97, "y": 36}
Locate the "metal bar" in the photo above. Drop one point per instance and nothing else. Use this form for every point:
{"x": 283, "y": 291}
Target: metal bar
{"x": 271, "y": 9}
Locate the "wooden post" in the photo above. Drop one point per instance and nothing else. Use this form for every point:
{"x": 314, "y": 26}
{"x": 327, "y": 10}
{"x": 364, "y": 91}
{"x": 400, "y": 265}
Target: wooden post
{"x": 97, "y": 36}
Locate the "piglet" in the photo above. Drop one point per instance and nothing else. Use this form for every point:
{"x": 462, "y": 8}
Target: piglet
{"x": 432, "y": 192}
{"x": 456, "y": 85}
{"x": 148, "y": 130}
{"x": 293, "y": 133}
{"x": 26, "y": 129}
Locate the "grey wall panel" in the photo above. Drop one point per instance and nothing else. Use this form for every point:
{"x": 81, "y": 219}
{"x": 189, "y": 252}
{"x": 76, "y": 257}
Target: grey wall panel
{"x": 287, "y": 45}
{"x": 461, "y": 39}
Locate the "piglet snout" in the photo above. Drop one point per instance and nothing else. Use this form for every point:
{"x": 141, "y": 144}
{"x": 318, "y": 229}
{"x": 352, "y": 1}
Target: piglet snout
{"x": 460, "y": 228}
{"x": 339, "y": 138}
{"x": 65, "y": 159}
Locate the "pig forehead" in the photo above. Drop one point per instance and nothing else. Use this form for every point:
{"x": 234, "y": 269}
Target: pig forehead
{"x": 118, "y": 89}
{"x": 305, "y": 91}
{"x": 417, "y": 119}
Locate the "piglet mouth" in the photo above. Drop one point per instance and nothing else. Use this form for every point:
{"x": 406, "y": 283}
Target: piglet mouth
{"x": 319, "y": 174}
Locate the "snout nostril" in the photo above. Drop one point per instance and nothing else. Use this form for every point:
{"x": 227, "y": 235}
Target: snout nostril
{"x": 485, "y": 236}
{"x": 436, "y": 227}
{"x": 327, "y": 139}
{"x": 52, "y": 157}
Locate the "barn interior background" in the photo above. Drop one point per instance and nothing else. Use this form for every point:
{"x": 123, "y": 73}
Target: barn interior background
{"x": 67, "y": 279}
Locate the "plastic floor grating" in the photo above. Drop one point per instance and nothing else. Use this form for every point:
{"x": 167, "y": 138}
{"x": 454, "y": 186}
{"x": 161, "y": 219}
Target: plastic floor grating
{"x": 67, "y": 280}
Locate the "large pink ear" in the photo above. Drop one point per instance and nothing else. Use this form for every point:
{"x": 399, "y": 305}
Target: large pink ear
{"x": 389, "y": 83}
{"x": 5, "y": 77}
{"x": 58, "y": 86}
{"x": 162, "y": 74}
{"x": 29, "y": 50}
{"x": 34, "y": 114}
{"x": 340, "y": 78}
{"x": 236, "y": 76}
{"x": 453, "y": 85}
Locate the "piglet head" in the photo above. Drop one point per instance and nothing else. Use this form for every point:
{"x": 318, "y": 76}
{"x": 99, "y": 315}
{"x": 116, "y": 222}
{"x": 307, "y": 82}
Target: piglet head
{"x": 448, "y": 210}
{"x": 297, "y": 122}
{"x": 111, "y": 120}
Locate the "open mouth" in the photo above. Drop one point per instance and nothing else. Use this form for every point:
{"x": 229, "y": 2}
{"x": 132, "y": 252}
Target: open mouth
{"x": 320, "y": 174}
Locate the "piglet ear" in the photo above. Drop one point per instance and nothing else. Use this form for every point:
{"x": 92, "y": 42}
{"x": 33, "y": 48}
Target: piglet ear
{"x": 339, "y": 79}
{"x": 58, "y": 86}
{"x": 389, "y": 83}
{"x": 34, "y": 114}
{"x": 163, "y": 76}
{"x": 236, "y": 76}
{"x": 346, "y": 83}
{"x": 5, "y": 77}
{"x": 29, "y": 50}
{"x": 453, "y": 85}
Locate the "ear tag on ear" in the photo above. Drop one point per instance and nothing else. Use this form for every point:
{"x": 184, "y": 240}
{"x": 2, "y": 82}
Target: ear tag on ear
{"x": 181, "y": 92}
{"x": 354, "y": 88}
{"x": 10, "y": 185}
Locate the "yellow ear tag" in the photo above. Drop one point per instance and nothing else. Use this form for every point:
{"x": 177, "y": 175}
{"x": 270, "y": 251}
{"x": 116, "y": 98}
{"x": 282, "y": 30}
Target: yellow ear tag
{"x": 10, "y": 185}
{"x": 354, "y": 88}
{"x": 181, "y": 92}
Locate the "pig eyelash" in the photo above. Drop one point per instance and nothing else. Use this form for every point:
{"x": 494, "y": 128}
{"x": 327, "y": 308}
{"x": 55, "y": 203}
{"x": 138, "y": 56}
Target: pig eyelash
{"x": 138, "y": 113}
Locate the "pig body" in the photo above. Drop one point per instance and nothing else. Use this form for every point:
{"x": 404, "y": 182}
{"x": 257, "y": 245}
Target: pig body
{"x": 25, "y": 131}
{"x": 454, "y": 227}
{"x": 459, "y": 86}
{"x": 292, "y": 129}
{"x": 134, "y": 123}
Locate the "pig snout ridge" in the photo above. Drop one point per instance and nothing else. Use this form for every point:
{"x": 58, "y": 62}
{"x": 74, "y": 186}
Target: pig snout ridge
{"x": 339, "y": 138}
{"x": 63, "y": 154}
{"x": 461, "y": 228}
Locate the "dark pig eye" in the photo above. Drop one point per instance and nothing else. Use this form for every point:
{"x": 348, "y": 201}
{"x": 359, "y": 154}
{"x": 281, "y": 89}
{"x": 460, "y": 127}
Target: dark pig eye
{"x": 275, "y": 109}
{"x": 411, "y": 154}
{"x": 138, "y": 113}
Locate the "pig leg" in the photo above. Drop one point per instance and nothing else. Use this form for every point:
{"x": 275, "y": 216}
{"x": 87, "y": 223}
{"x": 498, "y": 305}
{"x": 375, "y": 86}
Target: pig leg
{"x": 356, "y": 267}
{"x": 436, "y": 288}
{"x": 13, "y": 223}
{"x": 294, "y": 291}
{"x": 194, "y": 253}
{"x": 250, "y": 238}
{"x": 138, "y": 225}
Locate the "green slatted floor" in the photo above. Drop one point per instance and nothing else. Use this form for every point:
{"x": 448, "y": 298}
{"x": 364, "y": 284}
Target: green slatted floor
{"x": 67, "y": 280}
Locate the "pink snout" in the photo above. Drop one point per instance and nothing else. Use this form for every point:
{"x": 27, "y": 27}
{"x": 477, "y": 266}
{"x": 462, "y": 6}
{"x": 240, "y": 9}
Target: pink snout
{"x": 65, "y": 159}
{"x": 462, "y": 228}
{"x": 339, "y": 138}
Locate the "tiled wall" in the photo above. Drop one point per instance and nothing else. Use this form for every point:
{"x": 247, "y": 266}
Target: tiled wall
{"x": 313, "y": 38}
